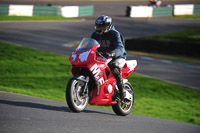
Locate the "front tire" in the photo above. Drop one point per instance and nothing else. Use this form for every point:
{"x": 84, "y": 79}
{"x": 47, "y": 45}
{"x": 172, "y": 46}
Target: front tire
{"x": 76, "y": 101}
{"x": 124, "y": 108}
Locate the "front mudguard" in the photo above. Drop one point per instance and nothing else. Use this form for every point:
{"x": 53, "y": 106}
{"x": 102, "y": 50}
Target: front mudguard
{"x": 81, "y": 78}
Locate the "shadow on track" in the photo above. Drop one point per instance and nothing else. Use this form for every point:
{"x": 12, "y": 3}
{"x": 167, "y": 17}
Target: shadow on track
{"x": 46, "y": 107}
{"x": 35, "y": 105}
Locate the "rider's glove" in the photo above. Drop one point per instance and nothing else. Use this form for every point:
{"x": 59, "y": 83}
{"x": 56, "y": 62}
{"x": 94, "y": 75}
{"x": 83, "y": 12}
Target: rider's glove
{"x": 109, "y": 54}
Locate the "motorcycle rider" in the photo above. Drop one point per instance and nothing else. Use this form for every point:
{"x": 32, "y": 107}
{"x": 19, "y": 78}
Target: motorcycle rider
{"x": 112, "y": 45}
{"x": 155, "y": 2}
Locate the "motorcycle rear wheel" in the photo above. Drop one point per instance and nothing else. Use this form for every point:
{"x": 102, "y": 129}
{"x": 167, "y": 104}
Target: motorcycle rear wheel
{"x": 75, "y": 100}
{"x": 124, "y": 108}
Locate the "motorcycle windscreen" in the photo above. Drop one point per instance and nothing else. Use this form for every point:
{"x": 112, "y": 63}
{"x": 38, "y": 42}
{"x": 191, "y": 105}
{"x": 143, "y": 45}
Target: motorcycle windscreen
{"x": 86, "y": 44}
{"x": 84, "y": 53}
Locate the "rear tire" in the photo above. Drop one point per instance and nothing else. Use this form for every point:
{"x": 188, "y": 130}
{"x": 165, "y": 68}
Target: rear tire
{"x": 124, "y": 108}
{"x": 75, "y": 100}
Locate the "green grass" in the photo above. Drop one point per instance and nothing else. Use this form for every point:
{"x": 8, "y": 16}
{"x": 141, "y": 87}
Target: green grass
{"x": 189, "y": 35}
{"x": 37, "y": 17}
{"x": 195, "y": 16}
{"x": 33, "y": 72}
{"x": 45, "y": 75}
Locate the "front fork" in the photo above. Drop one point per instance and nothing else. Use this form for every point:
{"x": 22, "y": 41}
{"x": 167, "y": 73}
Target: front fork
{"x": 84, "y": 79}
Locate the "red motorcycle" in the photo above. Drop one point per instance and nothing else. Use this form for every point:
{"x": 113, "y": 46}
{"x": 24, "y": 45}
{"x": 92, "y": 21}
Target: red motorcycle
{"x": 93, "y": 82}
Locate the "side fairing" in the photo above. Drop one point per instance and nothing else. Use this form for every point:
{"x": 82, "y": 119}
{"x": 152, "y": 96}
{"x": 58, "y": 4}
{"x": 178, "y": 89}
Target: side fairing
{"x": 128, "y": 68}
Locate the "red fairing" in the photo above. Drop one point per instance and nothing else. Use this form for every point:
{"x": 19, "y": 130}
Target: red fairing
{"x": 83, "y": 57}
{"x": 102, "y": 78}
{"x": 106, "y": 85}
{"x": 128, "y": 68}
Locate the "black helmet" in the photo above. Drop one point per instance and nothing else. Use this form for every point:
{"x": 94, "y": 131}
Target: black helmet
{"x": 103, "y": 24}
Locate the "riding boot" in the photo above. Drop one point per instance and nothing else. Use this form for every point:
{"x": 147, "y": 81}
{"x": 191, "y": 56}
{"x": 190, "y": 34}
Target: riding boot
{"x": 121, "y": 91}
{"x": 118, "y": 76}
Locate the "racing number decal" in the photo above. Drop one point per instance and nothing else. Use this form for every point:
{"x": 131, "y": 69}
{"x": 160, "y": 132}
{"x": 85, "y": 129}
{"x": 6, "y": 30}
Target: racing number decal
{"x": 96, "y": 72}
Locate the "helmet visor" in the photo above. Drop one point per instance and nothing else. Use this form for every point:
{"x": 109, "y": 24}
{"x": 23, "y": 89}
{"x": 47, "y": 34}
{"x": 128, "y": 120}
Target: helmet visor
{"x": 100, "y": 28}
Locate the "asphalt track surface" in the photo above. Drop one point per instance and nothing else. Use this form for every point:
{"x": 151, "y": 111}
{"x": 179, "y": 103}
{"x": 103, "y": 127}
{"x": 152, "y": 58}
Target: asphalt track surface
{"x": 24, "y": 114}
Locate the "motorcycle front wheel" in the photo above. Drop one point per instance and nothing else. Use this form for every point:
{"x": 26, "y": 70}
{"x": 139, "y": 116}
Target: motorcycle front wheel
{"x": 76, "y": 99}
{"x": 125, "y": 107}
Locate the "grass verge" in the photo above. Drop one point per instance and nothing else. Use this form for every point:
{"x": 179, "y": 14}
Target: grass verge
{"x": 189, "y": 35}
{"x": 195, "y": 16}
{"x": 37, "y": 17}
{"x": 45, "y": 75}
